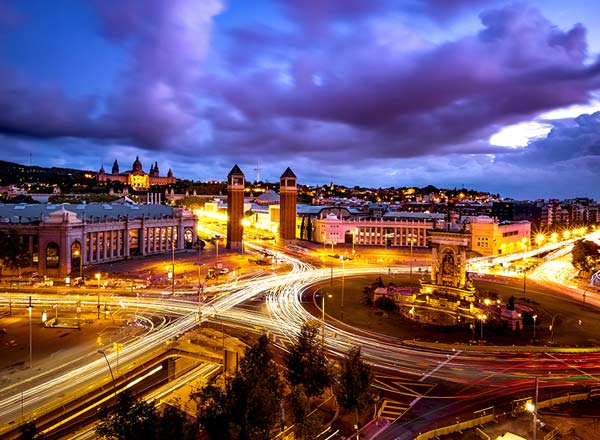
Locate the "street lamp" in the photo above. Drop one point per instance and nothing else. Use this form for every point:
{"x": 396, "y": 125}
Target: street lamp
{"x": 117, "y": 347}
{"x": 223, "y": 334}
{"x": 532, "y": 408}
{"x": 30, "y": 308}
{"x": 343, "y": 272}
{"x": 534, "y": 319}
{"x": 539, "y": 239}
{"x": 98, "y": 306}
{"x": 551, "y": 328}
{"x": 323, "y": 317}
{"x": 482, "y": 319}
{"x": 172, "y": 266}
{"x": 111, "y": 372}
{"x": 411, "y": 239}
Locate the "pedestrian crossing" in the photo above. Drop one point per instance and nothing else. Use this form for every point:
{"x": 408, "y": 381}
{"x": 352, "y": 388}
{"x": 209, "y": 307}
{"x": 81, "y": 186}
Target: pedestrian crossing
{"x": 398, "y": 394}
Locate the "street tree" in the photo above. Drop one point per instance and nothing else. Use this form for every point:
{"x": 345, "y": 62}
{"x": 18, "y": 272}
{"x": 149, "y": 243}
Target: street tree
{"x": 173, "y": 423}
{"x": 353, "y": 390}
{"x": 308, "y": 424}
{"x": 130, "y": 419}
{"x": 14, "y": 253}
{"x": 213, "y": 411}
{"x": 256, "y": 393}
{"x": 585, "y": 254}
{"x": 306, "y": 362}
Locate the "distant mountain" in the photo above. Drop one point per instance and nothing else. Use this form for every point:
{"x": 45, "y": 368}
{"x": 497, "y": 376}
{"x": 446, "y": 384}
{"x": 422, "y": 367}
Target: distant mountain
{"x": 14, "y": 173}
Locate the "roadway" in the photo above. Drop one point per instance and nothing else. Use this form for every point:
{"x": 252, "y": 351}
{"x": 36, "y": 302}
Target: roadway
{"x": 483, "y": 376}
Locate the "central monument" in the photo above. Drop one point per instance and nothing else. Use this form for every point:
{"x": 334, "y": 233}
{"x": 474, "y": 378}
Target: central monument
{"x": 449, "y": 264}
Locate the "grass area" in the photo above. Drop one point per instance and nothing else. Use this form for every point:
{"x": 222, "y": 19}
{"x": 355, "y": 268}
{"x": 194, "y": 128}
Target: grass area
{"x": 575, "y": 324}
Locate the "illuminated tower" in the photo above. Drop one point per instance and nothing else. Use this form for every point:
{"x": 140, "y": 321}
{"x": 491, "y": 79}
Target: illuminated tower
{"x": 287, "y": 206}
{"x": 235, "y": 208}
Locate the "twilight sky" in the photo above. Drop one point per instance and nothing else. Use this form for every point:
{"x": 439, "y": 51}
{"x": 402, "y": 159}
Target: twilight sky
{"x": 493, "y": 95}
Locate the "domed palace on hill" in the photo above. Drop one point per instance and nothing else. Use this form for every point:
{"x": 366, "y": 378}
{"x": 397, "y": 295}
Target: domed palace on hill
{"x": 136, "y": 177}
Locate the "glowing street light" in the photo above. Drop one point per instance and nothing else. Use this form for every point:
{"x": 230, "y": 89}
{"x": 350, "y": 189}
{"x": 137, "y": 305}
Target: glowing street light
{"x": 98, "y": 293}
{"x": 482, "y": 318}
{"x": 539, "y": 239}
{"x": 412, "y": 239}
{"x": 532, "y": 408}
{"x": 30, "y": 308}
{"x": 343, "y": 272}
{"x": 534, "y": 320}
{"x": 117, "y": 347}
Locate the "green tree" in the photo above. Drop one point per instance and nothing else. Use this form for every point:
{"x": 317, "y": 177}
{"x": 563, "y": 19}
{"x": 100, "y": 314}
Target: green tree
{"x": 306, "y": 362}
{"x": 386, "y": 303}
{"x": 307, "y": 424}
{"x": 256, "y": 392}
{"x": 584, "y": 255}
{"x": 213, "y": 411}
{"x": 173, "y": 423}
{"x": 130, "y": 419}
{"x": 353, "y": 390}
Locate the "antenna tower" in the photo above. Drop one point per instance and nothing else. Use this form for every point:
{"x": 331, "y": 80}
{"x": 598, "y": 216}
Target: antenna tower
{"x": 258, "y": 170}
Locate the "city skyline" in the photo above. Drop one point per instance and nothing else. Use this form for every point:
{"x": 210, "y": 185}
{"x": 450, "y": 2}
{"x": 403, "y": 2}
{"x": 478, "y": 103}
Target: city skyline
{"x": 490, "y": 95}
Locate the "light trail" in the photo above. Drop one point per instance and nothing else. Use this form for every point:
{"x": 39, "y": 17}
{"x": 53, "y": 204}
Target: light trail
{"x": 283, "y": 294}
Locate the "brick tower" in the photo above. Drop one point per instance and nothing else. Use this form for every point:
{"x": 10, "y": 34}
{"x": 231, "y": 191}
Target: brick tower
{"x": 287, "y": 207}
{"x": 235, "y": 208}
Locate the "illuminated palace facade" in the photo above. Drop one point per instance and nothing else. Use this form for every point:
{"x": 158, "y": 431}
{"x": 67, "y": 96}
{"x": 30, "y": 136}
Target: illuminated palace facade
{"x": 61, "y": 239}
{"x": 136, "y": 178}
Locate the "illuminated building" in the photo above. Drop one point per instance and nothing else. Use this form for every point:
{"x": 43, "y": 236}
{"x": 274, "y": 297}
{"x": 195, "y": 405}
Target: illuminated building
{"x": 136, "y": 178}
{"x": 287, "y": 211}
{"x": 61, "y": 239}
{"x": 235, "y": 208}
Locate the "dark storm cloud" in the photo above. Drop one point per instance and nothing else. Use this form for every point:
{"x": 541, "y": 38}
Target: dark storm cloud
{"x": 154, "y": 97}
{"x": 344, "y": 80}
{"x": 426, "y": 101}
{"x": 578, "y": 139}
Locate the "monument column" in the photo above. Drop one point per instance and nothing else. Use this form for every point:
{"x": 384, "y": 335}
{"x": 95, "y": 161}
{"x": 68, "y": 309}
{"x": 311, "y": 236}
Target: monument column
{"x": 288, "y": 191}
{"x": 235, "y": 208}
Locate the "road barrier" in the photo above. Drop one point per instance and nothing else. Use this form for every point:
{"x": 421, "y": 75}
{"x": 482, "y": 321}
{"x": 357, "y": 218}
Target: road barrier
{"x": 483, "y": 416}
{"x": 457, "y": 427}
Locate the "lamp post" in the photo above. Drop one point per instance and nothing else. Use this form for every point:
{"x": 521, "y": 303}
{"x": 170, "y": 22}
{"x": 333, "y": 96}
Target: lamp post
{"x": 534, "y": 320}
{"x": 532, "y": 408}
{"x": 552, "y": 329}
{"x": 481, "y": 320}
{"x": 98, "y": 305}
{"x": 343, "y": 273}
{"x": 411, "y": 239}
{"x": 323, "y": 317}
{"x": 173, "y": 266}
{"x": 223, "y": 334}
{"x": 30, "y": 308}
{"x": 117, "y": 347}
{"x": 111, "y": 372}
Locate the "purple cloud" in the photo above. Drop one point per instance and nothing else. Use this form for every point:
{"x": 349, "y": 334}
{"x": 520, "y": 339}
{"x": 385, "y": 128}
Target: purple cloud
{"x": 154, "y": 98}
{"x": 415, "y": 103}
